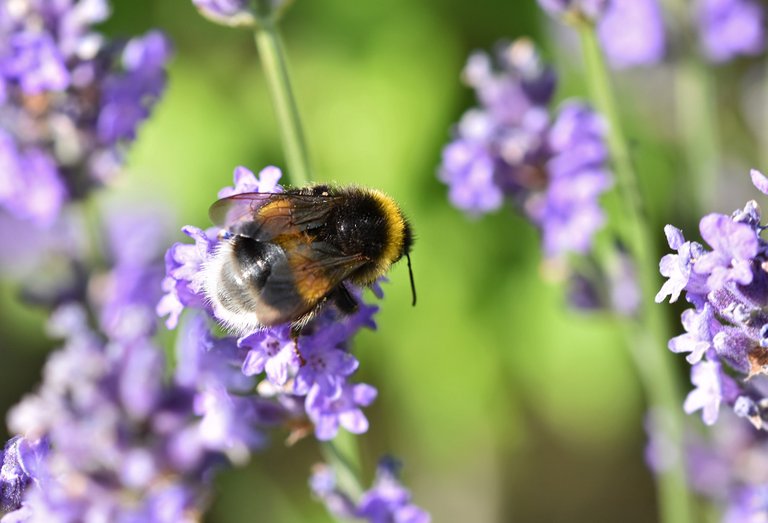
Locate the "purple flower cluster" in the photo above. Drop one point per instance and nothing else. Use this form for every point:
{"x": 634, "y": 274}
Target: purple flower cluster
{"x": 511, "y": 149}
{"x": 311, "y": 381}
{"x": 387, "y": 501}
{"x": 590, "y": 9}
{"x": 240, "y": 13}
{"x": 227, "y": 12}
{"x": 728, "y": 469}
{"x": 731, "y": 28}
{"x": 726, "y": 329}
{"x": 105, "y": 437}
{"x": 69, "y": 102}
{"x": 108, "y": 436}
{"x": 632, "y": 32}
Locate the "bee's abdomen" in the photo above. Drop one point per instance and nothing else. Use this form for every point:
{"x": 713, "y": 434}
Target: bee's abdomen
{"x": 254, "y": 284}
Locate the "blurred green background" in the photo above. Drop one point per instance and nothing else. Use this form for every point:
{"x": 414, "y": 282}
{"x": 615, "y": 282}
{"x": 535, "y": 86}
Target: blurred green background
{"x": 504, "y": 405}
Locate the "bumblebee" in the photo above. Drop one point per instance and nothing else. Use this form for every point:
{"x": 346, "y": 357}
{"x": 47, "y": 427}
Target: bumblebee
{"x": 284, "y": 256}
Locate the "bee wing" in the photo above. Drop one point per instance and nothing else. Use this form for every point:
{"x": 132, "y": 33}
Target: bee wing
{"x": 318, "y": 268}
{"x": 238, "y": 208}
{"x": 263, "y": 216}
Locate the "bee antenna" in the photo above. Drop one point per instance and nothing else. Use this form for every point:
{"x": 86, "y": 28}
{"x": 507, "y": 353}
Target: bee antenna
{"x": 413, "y": 285}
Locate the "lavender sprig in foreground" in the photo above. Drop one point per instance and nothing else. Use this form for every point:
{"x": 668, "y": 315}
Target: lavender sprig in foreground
{"x": 106, "y": 438}
{"x": 726, "y": 338}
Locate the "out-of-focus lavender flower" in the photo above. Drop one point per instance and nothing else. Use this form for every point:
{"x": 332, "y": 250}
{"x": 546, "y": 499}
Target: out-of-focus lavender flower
{"x": 227, "y": 12}
{"x": 240, "y": 13}
{"x": 749, "y": 505}
{"x": 311, "y": 371}
{"x": 661, "y": 453}
{"x": 387, "y": 501}
{"x": 610, "y": 285}
{"x": 323, "y": 485}
{"x": 126, "y": 295}
{"x": 727, "y": 328}
{"x": 113, "y": 428}
{"x": 730, "y": 28}
{"x": 233, "y": 419}
{"x": 510, "y": 149}
{"x": 568, "y": 211}
{"x": 128, "y": 98}
{"x": 729, "y": 469}
{"x": 591, "y": 9}
{"x": 631, "y": 33}
{"x": 71, "y": 102}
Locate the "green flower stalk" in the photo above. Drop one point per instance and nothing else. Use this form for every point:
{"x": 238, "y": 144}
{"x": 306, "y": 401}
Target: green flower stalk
{"x": 275, "y": 66}
{"x": 649, "y": 333}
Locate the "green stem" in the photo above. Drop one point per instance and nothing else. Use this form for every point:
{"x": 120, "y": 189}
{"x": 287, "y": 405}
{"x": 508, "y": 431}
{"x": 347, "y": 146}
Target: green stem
{"x": 695, "y": 112}
{"x": 343, "y": 454}
{"x": 762, "y": 140}
{"x": 273, "y": 60}
{"x": 94, "y": 223}
{"x": 695, "y": 108}
{"x": 649, "y": 334}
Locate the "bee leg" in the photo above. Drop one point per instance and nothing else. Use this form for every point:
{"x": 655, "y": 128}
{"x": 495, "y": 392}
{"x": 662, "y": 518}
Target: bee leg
{"x": 343, "y": 299}
{"x": 295, "y": 333}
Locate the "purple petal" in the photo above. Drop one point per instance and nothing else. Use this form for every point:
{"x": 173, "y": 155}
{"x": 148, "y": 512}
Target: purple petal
{"x": 254, "y": 362}
{"x": 326, "y": 427}
{"x": 759, "y": 180}
{"x": 364, "y": 394}
{"x": 354, "y": 421}
{"x": 675, "y": 237}
{"x": 632, "y": 33}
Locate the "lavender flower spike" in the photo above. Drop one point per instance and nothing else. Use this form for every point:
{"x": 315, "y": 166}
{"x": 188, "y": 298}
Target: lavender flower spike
{"x": 592, "y": 9}
{"x": 726, "y": 330}
{"x": 631, "y": 33}
{"x": 731, "y": 28}
{"x": 240, "y": 13}
{"x": 386, "y": 502}
{"x": 511, "y": 148}
{"x": 226, "y": 12}
{"x": 71, "y": 102}
{"x": 128, "y": 440}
